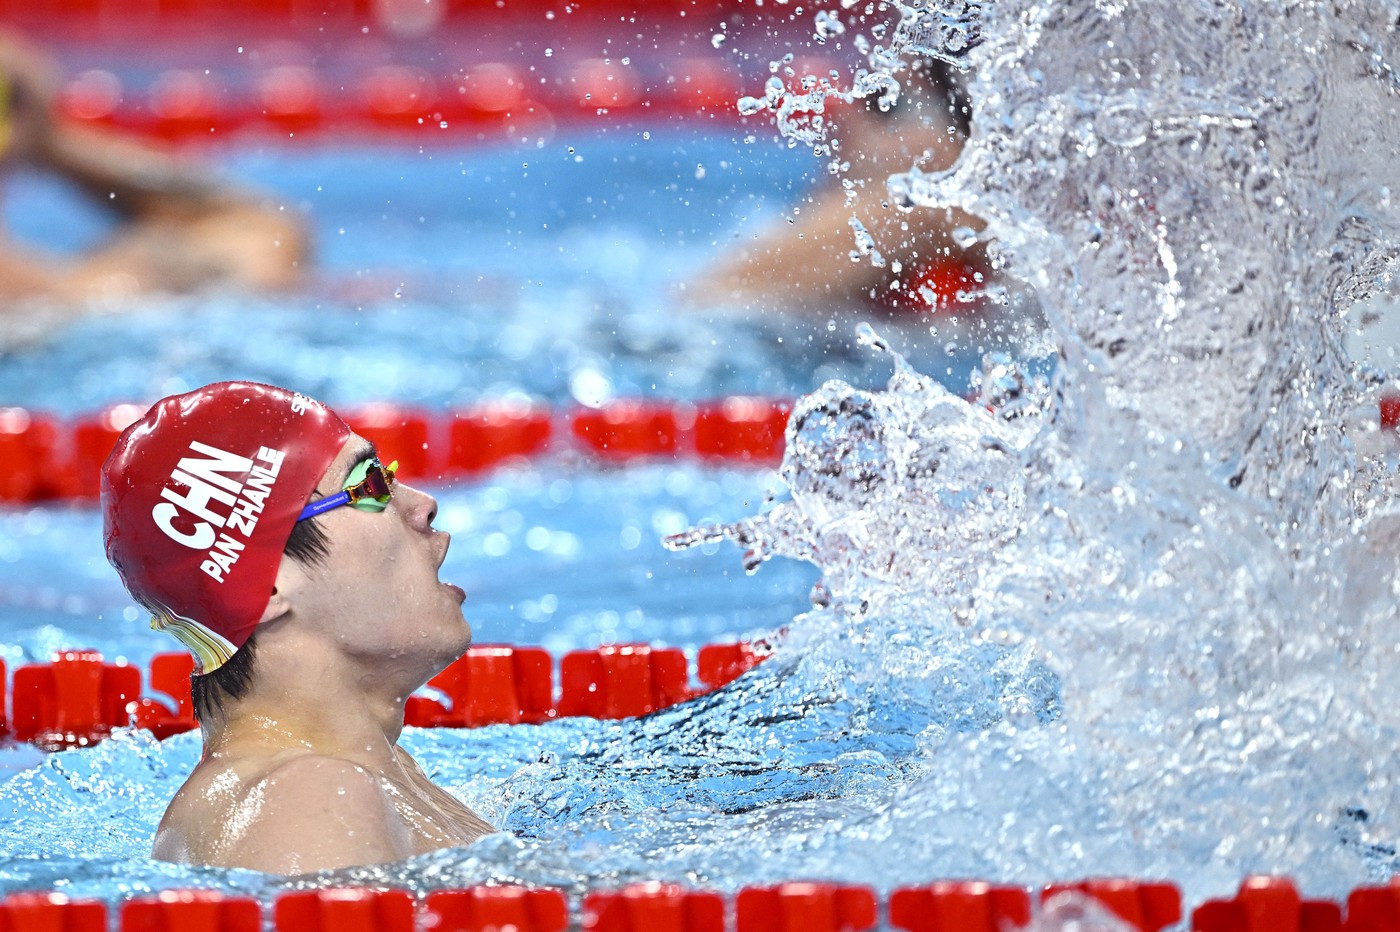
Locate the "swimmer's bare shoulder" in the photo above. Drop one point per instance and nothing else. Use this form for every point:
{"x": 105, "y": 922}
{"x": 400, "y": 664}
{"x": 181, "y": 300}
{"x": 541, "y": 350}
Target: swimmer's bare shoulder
{"x": 290, "y": 814}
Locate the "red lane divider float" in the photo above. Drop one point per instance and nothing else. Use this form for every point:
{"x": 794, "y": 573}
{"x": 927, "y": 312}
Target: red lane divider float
{"x": 50, "y": 458}
{"x": 1263, "y": 904}
{"x": 491, "y": 435}
{"x": 191, "y": 911}
{"x": 490, "y": 686}
{"x": 482, "y": 908}
{"x": 626, "y": 429}
{"x": 1147, "y": 907}
{"x": 170, "y": 675}
{"x": 959, "y": 906}
{"x": 51, "y": 912}
{"x": 622, "y": 681}
{"x": 1267, "y": 904}
{"x": 348, "y": 910}
{"x": 402, "y": 18}
{"x": 1374, "y": 909}
{"x": 719, "y": 665}
{"x": 653, "y": 907}
{"x": 78, "y": 698}
{"x": 739, "y": 428}
{"x": 811, "y": 907}
{"x": 489, "y": 100}
{"x": 298, "y": 89}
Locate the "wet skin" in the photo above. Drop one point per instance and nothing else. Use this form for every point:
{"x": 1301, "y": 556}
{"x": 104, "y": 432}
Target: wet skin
{"x": 305, "y": 773}
{"x": 177, "y": 226}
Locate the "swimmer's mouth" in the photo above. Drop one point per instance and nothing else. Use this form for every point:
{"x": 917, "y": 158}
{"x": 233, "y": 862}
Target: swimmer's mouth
{"x": 442, "y": 558}
{"x": 446, "y": 543}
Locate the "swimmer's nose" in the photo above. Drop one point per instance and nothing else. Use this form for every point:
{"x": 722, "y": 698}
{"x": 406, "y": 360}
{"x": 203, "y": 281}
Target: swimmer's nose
{"x": 420, "y": 507}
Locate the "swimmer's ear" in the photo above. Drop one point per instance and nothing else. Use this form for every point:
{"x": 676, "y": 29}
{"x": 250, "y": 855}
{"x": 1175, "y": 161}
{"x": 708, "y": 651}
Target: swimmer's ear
{"x": 285, "y": 585}
{"x": 278, "y": 606}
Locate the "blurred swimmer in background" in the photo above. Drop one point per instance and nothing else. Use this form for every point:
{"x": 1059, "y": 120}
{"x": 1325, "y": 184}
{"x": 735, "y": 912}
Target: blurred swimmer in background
{"x": 178, "y": 228}
{"x": 811, "y": 262}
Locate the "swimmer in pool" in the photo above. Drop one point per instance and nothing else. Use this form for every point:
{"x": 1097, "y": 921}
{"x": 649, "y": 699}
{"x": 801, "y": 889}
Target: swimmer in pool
{"x": 178, "y": 228}
{"x": 273, "y": 544}
{"x": 806, "y": 264}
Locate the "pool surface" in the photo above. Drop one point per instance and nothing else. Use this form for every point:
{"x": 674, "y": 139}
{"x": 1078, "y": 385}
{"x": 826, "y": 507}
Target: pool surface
{"x": 1136, "y": 617}
{"x": 552, "y": 272}
{"x": 445, "y": 278}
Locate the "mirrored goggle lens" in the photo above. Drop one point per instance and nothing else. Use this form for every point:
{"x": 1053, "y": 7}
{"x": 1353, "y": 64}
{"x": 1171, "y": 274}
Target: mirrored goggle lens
{"x": 378, "y": 484}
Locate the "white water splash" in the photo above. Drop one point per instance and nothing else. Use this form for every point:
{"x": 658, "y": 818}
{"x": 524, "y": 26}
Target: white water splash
{"x": 1198, "y": 194}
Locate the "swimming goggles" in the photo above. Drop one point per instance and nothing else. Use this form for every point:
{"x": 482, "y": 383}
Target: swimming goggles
{"x": 370, "y": 486}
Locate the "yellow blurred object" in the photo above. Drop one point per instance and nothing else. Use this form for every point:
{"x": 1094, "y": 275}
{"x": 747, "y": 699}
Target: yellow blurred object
{"x": 6, "y": 130}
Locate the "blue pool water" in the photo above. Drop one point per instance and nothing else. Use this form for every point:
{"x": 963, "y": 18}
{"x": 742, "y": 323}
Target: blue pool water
{"x": 440, "y": 283}
{"x": 563, "y": 557}
{"x": 446, "y": 277}
{"x": 1138, "y": 618}
{"x": 552, "y": 270}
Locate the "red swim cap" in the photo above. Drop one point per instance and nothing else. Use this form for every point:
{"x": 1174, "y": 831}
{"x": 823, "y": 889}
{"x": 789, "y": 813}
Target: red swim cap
{"x": 199, "y": 498}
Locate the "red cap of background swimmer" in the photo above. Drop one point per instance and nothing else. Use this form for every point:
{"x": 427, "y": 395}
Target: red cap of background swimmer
{"x": 199, "y": 498}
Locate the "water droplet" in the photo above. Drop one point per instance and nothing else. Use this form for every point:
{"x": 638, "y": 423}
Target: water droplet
{"x": 1125, "y": 125}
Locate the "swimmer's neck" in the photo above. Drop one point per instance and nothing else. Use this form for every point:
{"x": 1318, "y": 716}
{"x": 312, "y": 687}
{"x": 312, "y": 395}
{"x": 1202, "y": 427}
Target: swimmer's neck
{"x": 329, "y": 706}
{"x": 344, "y": 731}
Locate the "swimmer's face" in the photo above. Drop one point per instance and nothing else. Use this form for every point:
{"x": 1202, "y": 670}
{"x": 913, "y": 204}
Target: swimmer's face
{"x": 378, "y": 594}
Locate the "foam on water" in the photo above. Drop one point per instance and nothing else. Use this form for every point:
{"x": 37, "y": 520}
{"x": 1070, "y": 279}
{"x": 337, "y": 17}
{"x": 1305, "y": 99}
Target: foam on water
{"x": 1139, "y": 620}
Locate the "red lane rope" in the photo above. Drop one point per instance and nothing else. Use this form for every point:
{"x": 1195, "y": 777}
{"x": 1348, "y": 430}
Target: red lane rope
{"x": 490, "y": 100}
{"x": 51, "y": 458}
{"x": 403, "y": 19}
{"x": 1262, "y": 904}
{"x": 372, "y": 66}
{"x": 78, "y": 698}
